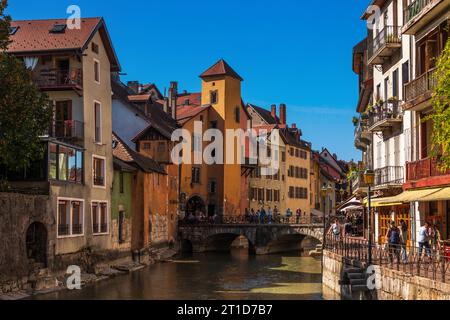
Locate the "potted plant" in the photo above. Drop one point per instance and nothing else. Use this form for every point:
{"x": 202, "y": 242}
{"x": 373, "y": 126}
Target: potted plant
{"x": 355, "y": 121}
{"x": 365, "y": 115}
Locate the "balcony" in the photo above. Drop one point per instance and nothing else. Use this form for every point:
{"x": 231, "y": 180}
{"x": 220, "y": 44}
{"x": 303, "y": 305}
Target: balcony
{"x": 358, "y": 184}
{"x": 68, "y": 130}
{"x": 56, "y": 80}
{"x": 420, "y": 90}
{"x": 423, "y": 169}
{"x": 384, "y": 45}
{"x": 385, "y": 116}
{"x": 362, "y": 136}
{"x": 389, "y": 176}
{"x": 421, "y": 12}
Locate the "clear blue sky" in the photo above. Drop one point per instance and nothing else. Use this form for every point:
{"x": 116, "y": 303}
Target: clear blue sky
{"x": 288, "y": 51}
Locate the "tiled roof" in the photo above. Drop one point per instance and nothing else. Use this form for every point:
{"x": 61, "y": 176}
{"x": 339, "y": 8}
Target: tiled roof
{"x": 131, "y": 157}
{"x": 186, "y": 113}
{"x": 265, "y": 114}
{"x": 139, "y": 97}
{"x": 221, "y": 68}
{"x": 34, "y": 36}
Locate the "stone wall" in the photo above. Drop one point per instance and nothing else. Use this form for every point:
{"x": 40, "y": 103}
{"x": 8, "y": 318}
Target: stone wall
{"x": 17, "y": 213}
{"x": 160, "y": 229}
{"x": 395, "y": 285}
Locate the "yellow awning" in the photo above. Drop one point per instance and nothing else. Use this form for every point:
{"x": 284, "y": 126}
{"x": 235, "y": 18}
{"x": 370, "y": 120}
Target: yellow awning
{"x": 411, "y": 195}
{"x": 442, "y": 194}
{"x": 381, "y": 202}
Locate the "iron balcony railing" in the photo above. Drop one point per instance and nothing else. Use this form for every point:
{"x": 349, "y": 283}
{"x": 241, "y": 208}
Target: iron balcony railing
{"x": 388, "y": 110}
{"x": 422, "y": 169}
{"x": 57, "y": 79}
{"x": 67, "y": 130}
{"x": 421, "y": 85}
{"x": 415, "y": 8}
{"x": 388, "y": 35}
{"x": 433, "y": 264}
{"x": 389, "y": 175}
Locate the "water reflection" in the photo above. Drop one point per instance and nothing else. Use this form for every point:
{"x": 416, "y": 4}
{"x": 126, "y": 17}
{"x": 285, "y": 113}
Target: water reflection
{"x": 213, "y": 276}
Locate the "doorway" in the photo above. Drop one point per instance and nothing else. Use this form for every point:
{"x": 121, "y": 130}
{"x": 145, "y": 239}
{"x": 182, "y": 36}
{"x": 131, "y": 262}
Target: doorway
{"x": 36, "y": 242}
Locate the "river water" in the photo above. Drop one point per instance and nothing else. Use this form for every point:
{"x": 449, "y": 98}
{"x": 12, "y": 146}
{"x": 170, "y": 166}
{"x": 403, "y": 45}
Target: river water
{"x": 235, "y": 276}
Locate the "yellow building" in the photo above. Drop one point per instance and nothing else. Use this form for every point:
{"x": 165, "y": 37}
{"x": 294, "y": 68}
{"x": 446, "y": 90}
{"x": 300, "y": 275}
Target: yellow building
{"x": 217, "y": 188}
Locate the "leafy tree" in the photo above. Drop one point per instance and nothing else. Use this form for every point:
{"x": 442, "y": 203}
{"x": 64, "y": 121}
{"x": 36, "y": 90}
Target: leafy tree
{"x": 25, "y": 112}
{"x": 441, "y": 113}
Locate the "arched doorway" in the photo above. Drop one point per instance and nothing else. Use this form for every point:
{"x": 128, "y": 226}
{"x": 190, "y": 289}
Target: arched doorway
{"x": 195, "y": 206}
{"x": 36, "y": 240}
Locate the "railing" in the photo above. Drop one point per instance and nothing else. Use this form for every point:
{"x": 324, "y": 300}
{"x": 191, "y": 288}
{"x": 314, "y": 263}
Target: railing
{"x": 54, "y": 78}
{"x": 424, "y": 168}
{"x": 422, "y": 84}
{"x": 429, "y": 263}
{"x": 68, "y": 129}
{"x": 415, "y": 8}
{"x": 251, "y": 219}
{"x": 388, "y": 35}
{"x": 386, "y": 111}
{"x": 358, "y": 182}
{"x": 389, "y": 175}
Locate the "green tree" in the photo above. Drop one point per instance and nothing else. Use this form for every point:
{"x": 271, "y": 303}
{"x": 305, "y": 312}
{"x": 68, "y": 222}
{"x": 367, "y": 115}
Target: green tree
{"x": 441, "y": 114}
{"x": 25, "y": 112}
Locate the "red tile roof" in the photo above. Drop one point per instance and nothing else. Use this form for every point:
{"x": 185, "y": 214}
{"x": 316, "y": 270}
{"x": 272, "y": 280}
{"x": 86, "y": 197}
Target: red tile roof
{"x": 186, "y": 113}
{"x": 34, "y": 36}
{"x": 219, "y": 69}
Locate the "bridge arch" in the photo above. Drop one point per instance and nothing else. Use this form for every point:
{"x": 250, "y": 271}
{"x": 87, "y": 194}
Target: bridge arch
{"x": 222, "y": 242}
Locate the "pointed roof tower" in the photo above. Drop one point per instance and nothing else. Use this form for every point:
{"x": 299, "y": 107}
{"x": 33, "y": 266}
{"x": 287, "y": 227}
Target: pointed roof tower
{"x": 221, "y": 68}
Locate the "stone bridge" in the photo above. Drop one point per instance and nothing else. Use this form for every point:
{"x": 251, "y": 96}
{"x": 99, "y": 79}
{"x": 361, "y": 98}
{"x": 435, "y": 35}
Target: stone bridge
{"x": 263, "y": 239}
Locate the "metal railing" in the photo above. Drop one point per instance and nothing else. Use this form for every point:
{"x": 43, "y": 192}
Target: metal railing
{"x": 385, "y": 111}
{"x": 415, "y": 8}
{"x": 389, "y": 175}
{"x": 388, "y": 35}
{"x": 358, "y": 181}
{"x": 433, "y": 264}
{"x": 55, "y": 78}
{"x": 421, "y": 85}
{"x": 424, "y": 168}
{"x": 251, "y": 219}
{"x": 68, "y": 129}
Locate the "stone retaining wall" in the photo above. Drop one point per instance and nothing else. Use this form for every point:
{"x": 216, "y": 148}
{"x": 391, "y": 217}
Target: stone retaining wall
{"x": 395, "y": 285}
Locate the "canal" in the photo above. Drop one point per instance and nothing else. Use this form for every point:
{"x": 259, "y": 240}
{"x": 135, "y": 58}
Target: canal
{"x": 235, "y": 275}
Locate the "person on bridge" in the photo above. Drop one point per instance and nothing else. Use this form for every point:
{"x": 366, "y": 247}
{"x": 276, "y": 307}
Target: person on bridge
{"x": 299, "y": 215}
{"x": 258, "y": 216}
{"x": 263, "y": 215}
{"x": 269, "y": 216}
{"x": 288, "y": 215}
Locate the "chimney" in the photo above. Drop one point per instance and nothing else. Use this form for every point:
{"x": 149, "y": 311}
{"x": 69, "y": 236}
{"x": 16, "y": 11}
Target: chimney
{"x": 274, "y": 112}
{"x": 166, "y": 105}
{"x": 294, "y": 126}
{"x": 335, "y": 156}
{"x": 134, "y": 86}
{"x": 282, "y": 113}
{"x": 173, "y": 95}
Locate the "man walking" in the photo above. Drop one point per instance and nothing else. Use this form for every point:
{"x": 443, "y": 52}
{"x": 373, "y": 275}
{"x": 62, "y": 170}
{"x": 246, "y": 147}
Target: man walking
{"x": 424, "y": 240}
{"x": 393, "y": 236}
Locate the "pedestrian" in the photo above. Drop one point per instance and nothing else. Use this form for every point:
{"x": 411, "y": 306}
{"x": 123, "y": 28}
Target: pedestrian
{"x": 258, "y": 216}
{"x": 393, "y": 237}
{"x": 252, "y": 216}
{"x": 436, "y": 239}
{"x": 288, "y": 215}
{"x": 263, "y": 215}
{"x": 269, "y": 216}
{"x": 403, "y": 240}
{"x": 348, "y": 228}
{"x": 276, "y": 215}
{"x": 424, "y": 240}
{"x": 298, "y": 215}
{"x": 335, "y": 230}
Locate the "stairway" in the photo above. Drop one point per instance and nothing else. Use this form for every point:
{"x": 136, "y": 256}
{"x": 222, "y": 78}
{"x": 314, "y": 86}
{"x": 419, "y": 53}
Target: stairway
{"x": 355, "y": 282}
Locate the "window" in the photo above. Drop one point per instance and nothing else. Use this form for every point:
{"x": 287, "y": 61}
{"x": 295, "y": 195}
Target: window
{"x": 58, "y": 28}
{"x": 13, "y": 30}
{"x": 195, "y": 175}
{"x": 99, "y": 217}
{"x": 237, "y": 114}
{"x": 70, "y": 218}
{"x": 97, "y": 71}
{"x": 213, "y": 125}
{"x": 99, "y": 172}
{"x": 269, "y": 195}
{"x": 65, "y": 164}
{"x": 161, "y": 146}
{"x": 276, "y": 195}
{"x": 395, "y": 84}
{"x": 95, "y": 48}
{"x": 214, "y": 97}
{"x": 121, "y": 182}
{"x": 291, "y": 192}
{"x": 98, "y": 122}
{"x": 283, "y": 156}
{"x": 212, "y": 187}
{"x": 147, "y": 146}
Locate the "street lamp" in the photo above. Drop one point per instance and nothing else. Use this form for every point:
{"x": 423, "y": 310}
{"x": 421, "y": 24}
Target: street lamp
{"x": 369, "y": 179}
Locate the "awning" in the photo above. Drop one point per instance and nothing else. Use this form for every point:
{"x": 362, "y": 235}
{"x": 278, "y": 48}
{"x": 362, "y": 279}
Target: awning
{"x": 353, "y": 208}
{"x": 411, "y": 195}
{"x": 350, "y": 202}
{"x": 442, "y": 194}
{"x": 382, "y": 202}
